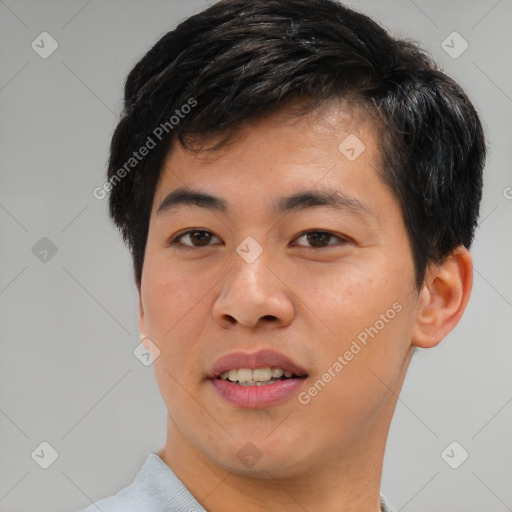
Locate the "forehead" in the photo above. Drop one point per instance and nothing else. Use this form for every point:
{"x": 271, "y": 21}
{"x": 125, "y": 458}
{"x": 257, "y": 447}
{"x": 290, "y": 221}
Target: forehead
{"x": 333, "y": 148}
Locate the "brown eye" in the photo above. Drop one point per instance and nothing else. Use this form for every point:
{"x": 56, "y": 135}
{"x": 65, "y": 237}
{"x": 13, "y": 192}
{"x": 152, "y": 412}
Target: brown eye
{"x": 320, "y": 239}
{"x": 197, "y": 238}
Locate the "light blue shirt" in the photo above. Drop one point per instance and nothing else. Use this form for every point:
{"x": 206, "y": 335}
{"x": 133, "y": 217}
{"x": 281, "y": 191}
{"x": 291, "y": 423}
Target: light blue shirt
{"x": 157, "y": 489}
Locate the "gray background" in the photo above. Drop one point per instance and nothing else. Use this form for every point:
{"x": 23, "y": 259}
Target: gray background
{"x": 68, "y": 375}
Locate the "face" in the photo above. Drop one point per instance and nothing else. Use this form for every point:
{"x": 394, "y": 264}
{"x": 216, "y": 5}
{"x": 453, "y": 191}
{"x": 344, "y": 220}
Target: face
{"x": 298, "y": 261}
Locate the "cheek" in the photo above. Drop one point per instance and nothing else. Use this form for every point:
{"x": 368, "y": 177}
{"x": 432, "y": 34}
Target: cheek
{"x": 343, "y": 300}
{"x": 171, "y": 298}
{"x": 367, "y": 319}
{"x": 175, "y": 310}
{"x": 356, "y": 389}
{"x": 172, "y": 308}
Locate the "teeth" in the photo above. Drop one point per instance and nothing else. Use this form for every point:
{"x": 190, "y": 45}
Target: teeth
{"x": 260, "y": 374}
{"x": 276, "y": 373}
{"x": 248, "y": 377}
{"x": 244, "y": 375}
{"x": 254, "y": 383}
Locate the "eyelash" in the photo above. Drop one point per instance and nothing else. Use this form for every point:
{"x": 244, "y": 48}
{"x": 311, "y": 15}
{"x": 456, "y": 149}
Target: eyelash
{"x": 175, "y": 240}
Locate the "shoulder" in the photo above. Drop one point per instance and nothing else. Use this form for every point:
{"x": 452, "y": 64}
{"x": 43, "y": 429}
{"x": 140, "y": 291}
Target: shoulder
{"x": 126, "y": 500}
{"x": 134, "y": 497}
{"x": 385, "y": 506}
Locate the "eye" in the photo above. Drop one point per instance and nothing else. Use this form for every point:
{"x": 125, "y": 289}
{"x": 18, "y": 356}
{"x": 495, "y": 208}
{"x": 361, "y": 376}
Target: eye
{"x": 197, "y": 237}
{"x": 320, "y": 239}
{"x": 201, "y": 238}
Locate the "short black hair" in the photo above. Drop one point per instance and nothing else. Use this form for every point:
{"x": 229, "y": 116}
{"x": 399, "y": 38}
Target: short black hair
{"x": 241, "y": 60}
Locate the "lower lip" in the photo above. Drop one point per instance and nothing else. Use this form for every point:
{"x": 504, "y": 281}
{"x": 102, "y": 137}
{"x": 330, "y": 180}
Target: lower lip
{"x": 256, "y": 397}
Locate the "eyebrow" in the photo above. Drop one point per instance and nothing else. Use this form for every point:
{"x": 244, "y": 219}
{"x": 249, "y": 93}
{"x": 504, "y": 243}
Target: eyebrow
{"x": 302, "y": 200}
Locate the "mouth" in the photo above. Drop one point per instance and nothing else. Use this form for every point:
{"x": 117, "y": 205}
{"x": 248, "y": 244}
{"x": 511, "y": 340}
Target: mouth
{"x": 258, "y": 376}
{"x": 256, "y": 380}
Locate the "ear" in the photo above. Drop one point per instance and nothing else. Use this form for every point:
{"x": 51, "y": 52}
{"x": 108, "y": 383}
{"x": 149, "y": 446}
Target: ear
{"x": 141, "y": 319}
{"x": 443, "y": 298}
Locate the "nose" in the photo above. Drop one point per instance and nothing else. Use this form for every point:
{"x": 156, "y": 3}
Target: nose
{"x": 253, "y": 294}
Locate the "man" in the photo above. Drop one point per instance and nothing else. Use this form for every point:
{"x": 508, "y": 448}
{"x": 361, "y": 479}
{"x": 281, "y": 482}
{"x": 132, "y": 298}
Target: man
{"x": 299, "y": 192}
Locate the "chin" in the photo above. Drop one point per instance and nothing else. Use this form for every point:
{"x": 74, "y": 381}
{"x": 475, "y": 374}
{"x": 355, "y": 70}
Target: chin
{"x": 268, "y": 467}
{"x": 259, "y": 457}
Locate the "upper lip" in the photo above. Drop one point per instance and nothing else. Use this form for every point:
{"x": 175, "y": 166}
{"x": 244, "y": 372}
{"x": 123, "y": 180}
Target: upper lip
{"x": 260, "y": 359}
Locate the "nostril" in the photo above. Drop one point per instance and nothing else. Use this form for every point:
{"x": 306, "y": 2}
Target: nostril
{"x": 230, "y": 319}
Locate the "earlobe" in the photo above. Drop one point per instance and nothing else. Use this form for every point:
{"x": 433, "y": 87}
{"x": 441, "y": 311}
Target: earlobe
{"x": 443, "y": 298}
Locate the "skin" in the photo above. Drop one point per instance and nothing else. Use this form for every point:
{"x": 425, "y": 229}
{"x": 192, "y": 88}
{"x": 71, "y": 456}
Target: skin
{"x": 306, "y": 300}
